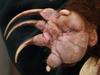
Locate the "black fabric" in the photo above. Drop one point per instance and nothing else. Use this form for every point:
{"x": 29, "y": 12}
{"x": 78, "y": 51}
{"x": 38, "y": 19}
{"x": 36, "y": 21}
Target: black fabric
{"x": 32, "y": 60}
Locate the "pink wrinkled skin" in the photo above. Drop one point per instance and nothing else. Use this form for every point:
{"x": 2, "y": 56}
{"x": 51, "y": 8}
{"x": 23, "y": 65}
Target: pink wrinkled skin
{"x": 65, "y": 32}
{"x": 68, "y": 39}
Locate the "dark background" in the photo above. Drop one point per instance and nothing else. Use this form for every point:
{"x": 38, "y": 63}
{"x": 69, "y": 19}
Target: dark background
{"x": 32, "y": 60}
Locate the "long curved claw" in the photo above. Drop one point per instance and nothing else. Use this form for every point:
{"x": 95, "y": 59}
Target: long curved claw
{"x": 39, "y": 40}
{"x": 91, "y": 67}
{"x": 22, "y": 14}
{"x": 25, "y": 23}
{"x": 23, "y": 45}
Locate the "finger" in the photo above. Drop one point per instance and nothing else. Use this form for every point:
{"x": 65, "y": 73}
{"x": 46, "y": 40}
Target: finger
{"x": 53, "y": 61}
{"x": 41, "y": 39}
{"x": 91, "y": 67}
{"x": 22, "y": 14}
{"x": 53, "y": 30}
